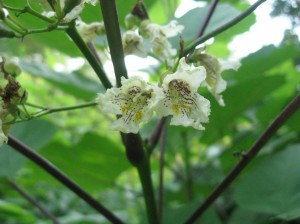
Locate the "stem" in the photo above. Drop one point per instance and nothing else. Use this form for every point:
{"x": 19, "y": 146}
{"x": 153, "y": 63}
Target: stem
{"x": 146, "y": 181}
{"x": 161, "y": 173}
{"x": 30, "y": 11}
{"x": 60, "y": 109}
{"x": 44, "y": 111}
{"x": 34, "y": 203}
{"x": 94, "y": 51}
{"x": 153, "y": 140}
{"x": 138, "y": 158}
{"x": 74, "y": 35}
{"x": 61, "y": 177}
{"x": 226, "y": 26}
{"x": 112, "y": 27}
{"x": 261, "y": 141}
{"x": 188, "y": 178}
{"x": 207, "y": 18}
{"x": 134, "y": 146}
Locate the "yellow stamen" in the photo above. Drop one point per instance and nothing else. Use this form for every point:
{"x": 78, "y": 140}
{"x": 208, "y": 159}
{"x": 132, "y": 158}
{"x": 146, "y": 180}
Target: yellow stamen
{"x": 138, "y": 116}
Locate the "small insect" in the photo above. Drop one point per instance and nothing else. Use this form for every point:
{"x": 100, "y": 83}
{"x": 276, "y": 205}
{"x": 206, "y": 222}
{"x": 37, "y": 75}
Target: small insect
{"x": 239, "y": 154}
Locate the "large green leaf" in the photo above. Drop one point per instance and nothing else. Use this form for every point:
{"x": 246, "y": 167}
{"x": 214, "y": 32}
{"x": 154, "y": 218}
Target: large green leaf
{"x": 266, "y": 59}
{"x": 238, "y": 98}
{"x": 179, "y": 214}
{"x": 193, "y": 19}
{"x": 94, "y": 162}
{"x": 74, "y": 83}
{"x": 35, "y": 134}
{"x": 272, "y": 187}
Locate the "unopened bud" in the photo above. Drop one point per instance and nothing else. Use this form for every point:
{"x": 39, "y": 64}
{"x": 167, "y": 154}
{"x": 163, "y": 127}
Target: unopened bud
{"x": 11, "y": 67}
{"x": 131, "y": 21}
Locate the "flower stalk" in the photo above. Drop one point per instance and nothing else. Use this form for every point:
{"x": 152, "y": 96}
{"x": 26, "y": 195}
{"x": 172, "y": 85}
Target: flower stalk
{"x": 112, "y": 27}
{"x": 221, "y": 29}
{"x": 133, "y": 143}
{"x": 74, "y": 35}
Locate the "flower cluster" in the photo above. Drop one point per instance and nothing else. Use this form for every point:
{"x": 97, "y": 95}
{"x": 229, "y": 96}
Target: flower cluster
{"x": 11, "y": 95}
{"x": 135, "y": 101}
{"x": 157, "y": 36}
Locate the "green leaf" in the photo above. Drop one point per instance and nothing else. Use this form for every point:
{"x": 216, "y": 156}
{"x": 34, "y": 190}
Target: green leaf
{"x": 193, "y": 19}
{"x": 179, "y": 214}
{"x": 94, "y": 162}
{"x": 15, "y": 213}
{"x": 238, "y": 98}
{"x": 36, "y": 134}
{"x": 265, "y": 59}
{"x": 272, "y": 187}
{"x": 74, "y": 83}
{"x": 247, "y": 217}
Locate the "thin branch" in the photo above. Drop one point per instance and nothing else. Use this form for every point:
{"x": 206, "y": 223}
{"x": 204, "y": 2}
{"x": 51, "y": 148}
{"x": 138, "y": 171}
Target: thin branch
{"x": 261, "y": 141}
{"x": 226, "y": 26}
{"x": 94, "y": 51}
{"x": 207, "y": 18}
{"x": 61, "y": 177}
{"x": 34, "y": 203}
{"x": 61, "y": 109}
{"x": 161, "y": 173}
{"x": 154, "y": 138}
{"x": 112, "y": 27}
{"x": 45, "y": 111}
{"x": 74, "y": 35}
{"x": 28, "y": 9}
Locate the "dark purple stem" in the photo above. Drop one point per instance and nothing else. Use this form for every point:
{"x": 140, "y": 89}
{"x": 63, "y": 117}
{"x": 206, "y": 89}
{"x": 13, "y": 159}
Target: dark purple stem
{"x": 34, "y": 203}
{"x": 262, "y": 140}
{"x": 57, "y": 174}
{"x": 207, "y": 18}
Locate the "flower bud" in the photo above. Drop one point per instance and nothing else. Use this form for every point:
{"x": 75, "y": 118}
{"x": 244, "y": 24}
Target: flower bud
{"x": 12, "y": 68}
{"x": 131, "y": 21}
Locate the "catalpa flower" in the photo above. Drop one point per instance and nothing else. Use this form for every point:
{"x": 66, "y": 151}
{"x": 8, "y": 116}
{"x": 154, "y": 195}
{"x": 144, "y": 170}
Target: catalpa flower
{"x": 158, "y": 36}
{"x": 133, "y": 44}
{"x": 214, "y": 67}
{"x": 133, "y": 102}
{"x": 182, "y": 100}
{"x": 89, "y": 31}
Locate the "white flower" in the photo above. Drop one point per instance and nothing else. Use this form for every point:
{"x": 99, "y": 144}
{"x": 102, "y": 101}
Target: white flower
{"x": 214, "y": 67}
{"x": 133, "y": 101}
{"x": 59, "y": 6}
{"x": 158, "y": 36}
{"x": 89, "y": 31}
{"x": 182, "y": 99}
{"x": 74, "y": 13}
{"x": 133, "y": 44}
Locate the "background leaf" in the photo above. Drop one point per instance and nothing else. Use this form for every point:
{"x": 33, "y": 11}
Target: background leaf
{"x": 272, "y": 187}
